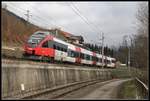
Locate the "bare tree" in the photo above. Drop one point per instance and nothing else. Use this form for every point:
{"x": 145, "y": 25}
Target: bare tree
{"x": 141, "y": 39}
{"x": 142, "y": 17}
{"x": 140, "y": 42}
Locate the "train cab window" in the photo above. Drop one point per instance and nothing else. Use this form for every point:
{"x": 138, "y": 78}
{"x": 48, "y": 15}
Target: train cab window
{"x": 45, "y": 44}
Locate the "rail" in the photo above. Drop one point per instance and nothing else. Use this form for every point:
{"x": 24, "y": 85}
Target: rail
{"x": 142, "y": 88}
{"x": 144, "y": 85}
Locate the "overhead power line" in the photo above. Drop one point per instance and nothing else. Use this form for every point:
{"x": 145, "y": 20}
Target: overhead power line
{"x": 96, "y": 29}
{"x": 83, "y": 19}
{"x": 50, "y": 19}
{"x": 78, "y": 12}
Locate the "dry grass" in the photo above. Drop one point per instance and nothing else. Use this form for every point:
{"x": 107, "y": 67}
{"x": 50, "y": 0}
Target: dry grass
{"x": 15, "y": 30}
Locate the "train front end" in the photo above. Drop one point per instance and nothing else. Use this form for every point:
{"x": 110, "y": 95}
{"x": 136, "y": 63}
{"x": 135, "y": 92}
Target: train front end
{"x": 32, "y": 43}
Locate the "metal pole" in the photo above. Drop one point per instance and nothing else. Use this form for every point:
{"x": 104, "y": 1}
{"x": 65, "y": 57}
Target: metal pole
{"x": 102, "y": 50}
{"x": 129, "y": 60}
{"x": 28, "y": 15}
{"x": 103, "y": 55}
{"x": 129, "y": 57}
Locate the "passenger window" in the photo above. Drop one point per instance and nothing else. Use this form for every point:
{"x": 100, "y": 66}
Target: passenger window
{"x": 90, "y": 57}
{"x": 82, "y": 55}
{"x": 54, "y": 46}
{"x": 97, "y": 59}
{"x": 62, "y": 49}
{"x": 72, "y": 54}
{"x": 87, "y": 57}
{"x": 100, "y": 60}
{"x": 58, "y": 48}
{"x": 77, "y": 54}
{"x": 113, "y": 61}
{"x": 45, "y": 44}
{"x": 108, "y": 61}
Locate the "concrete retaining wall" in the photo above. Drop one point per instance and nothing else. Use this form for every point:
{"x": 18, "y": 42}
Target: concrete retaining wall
{"x": 24, "y": 78}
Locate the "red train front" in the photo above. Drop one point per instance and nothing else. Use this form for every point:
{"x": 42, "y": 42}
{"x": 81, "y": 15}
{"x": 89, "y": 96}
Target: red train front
{"x": 36, "y": 46}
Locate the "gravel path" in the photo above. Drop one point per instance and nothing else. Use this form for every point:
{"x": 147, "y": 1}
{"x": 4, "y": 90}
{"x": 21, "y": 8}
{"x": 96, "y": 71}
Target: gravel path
{"x": 97, "y": 91}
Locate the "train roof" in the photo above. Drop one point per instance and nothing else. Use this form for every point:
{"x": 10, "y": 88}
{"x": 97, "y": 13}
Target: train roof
{"x": 41, "y": 33}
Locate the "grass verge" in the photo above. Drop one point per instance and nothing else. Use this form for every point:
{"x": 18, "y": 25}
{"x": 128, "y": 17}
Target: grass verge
{"x": 128, "y": 90}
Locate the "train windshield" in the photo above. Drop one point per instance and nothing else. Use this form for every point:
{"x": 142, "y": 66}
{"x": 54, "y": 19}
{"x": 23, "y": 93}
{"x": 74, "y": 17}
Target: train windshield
{"x": 35, "y": 40}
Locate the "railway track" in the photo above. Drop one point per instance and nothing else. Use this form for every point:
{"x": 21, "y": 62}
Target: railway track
{"x": 55, "y": 93}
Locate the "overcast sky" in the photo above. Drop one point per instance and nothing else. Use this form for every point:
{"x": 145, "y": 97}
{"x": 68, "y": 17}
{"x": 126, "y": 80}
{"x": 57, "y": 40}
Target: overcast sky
{"x": 114, "y": 19}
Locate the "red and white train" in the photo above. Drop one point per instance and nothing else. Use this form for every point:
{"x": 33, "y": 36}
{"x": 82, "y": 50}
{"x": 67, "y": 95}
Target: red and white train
{"x": 42, "y": 45}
